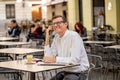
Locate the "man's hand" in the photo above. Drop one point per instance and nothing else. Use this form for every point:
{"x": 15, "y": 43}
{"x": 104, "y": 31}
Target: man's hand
{"x": 47, "y": 35}
{"x": 48, "y": 29}
{"x": 49, "y": 59}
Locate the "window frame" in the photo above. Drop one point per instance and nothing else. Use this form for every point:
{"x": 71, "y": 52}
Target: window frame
{"x": 10, "y": 11}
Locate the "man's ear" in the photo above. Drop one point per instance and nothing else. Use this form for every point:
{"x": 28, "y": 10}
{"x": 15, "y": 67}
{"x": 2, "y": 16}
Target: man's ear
{"x": 66, "y": 23}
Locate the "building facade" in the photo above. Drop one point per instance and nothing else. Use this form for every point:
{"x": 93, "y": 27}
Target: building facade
{"x": 57, "y": 7}
{"x": 19, "y": 10}
{"x": 81, "y": 10}
{"x": 111, "y": 12}
{"x": 12, "y": 9}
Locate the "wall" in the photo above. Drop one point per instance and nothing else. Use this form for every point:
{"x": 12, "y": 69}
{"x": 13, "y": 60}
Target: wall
{"x": 23, "y": 12}
{"x": 72, "y": 13}
{"x": 49, "y": 12}
{"x": 118, "y": 15}
{"x": 111, "y": 15}
{"x": 2, "y": 11}
{"x": 88, "y": 14}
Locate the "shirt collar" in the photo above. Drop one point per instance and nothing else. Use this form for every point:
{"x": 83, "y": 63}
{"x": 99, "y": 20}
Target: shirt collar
{"x": 66, "y": 33}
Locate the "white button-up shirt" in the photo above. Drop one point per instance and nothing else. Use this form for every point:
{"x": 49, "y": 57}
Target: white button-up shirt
{"x": 69, "y": 49}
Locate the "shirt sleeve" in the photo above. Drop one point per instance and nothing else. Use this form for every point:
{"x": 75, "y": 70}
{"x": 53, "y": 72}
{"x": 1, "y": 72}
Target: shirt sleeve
{"x": 50, "y": 51}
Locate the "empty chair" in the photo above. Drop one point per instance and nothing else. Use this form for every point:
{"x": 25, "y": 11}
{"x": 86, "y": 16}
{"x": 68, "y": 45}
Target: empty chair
{"x": 96, "y": 66}
{"x": 9, "y": 74}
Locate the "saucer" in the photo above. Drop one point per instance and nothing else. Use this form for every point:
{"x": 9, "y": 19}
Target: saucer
{"x": 30, "y": 62}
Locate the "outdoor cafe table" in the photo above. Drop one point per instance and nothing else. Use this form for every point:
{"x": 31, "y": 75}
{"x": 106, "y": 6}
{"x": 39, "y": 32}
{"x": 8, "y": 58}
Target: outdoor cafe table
{"x": 32, "y": 68}
{"x": 93, "y": 43}
{"x": 13, "y": 43}
{"x": 114, "y": 47}
{"x": 85, "y": 38}
{"x": 99, "y": 42}
{"x": 20, "y": 51}
{"x": 112, "y": 32}
{"x": 8, "y": 38}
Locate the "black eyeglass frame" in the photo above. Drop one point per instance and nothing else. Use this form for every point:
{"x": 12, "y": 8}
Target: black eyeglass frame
{"x": 57, "y": 23}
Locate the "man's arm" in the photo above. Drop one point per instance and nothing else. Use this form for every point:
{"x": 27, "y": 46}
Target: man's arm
{"x": 47, "y": 39}
{"x": 49, "y": 59}
{"x": 47, "y": 36}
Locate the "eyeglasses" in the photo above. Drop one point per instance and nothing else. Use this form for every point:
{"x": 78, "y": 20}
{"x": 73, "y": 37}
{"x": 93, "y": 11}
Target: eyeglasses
{"x": 57, "y": 23}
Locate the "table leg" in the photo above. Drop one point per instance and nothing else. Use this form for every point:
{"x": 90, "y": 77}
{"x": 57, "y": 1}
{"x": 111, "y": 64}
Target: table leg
{"x": 32, "y": 76}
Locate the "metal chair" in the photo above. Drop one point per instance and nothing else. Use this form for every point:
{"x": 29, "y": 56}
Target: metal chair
{"x": 96, "y": 67}
{"x": 107, "y": 56}
{"x": 8, "y": 73}
{"x": 38, "y": 42}
{"x": 115, "y": 61}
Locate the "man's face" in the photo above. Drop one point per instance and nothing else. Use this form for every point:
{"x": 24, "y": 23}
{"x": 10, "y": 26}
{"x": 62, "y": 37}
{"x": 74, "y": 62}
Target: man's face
{"x": 59, "y": 25}
{"x": 13, "y": 24}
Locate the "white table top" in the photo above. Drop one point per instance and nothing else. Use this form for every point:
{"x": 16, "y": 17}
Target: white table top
{"x": 88, "y": 37}
{"x": 13, "y": 43}
{"x": 99, "y": 42}
{"x": 112, "y": 32}
{"x": 20, "y": 50}
{"x": 114, "y": 47}
{"x": 7, "y": 38}
{"x": 21, "y": 65}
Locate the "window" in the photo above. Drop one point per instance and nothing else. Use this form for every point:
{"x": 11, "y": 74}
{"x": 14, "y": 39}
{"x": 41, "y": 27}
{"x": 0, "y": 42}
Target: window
{"x": 64, "y": 14}
{"x": 53, "y": 14}
{"x": 80, "y": 10}
{"x": 98, "y": 5}
{"x": 52, "y": 6}
{"x": 64, "y": 4}
{"x": 10, "y": 11}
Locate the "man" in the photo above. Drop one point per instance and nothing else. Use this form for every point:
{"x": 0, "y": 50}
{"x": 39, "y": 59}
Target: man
{"x": 15, "y": 29}
{"x": 35, "y": 32}
{"x": 67, "y": 47}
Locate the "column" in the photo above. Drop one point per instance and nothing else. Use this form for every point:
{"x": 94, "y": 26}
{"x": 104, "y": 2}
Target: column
{"x": 72, "y": 13}
{"x": 113, "y": 14}
{"x": 88, "y": 14}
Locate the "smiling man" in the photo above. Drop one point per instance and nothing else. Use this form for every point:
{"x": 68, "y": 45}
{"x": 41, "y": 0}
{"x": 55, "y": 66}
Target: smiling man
{"x": 67, "y": 47}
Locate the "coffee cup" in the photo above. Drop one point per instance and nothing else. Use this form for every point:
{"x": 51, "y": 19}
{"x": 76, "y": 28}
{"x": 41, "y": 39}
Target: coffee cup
{"x": 29, "y": 58}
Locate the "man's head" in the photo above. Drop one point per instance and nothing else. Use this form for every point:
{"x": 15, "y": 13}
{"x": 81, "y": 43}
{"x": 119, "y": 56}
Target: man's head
{"x": 13, "y": 23}
{"x": 59, "y": 24}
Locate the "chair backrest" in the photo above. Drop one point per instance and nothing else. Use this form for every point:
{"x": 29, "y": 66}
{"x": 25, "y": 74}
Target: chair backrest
{"x": 111, "y": 53}
{"x": 99, "y": 49}
{"x": 96, "y": 60}
{"x": 37, "y": 43}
